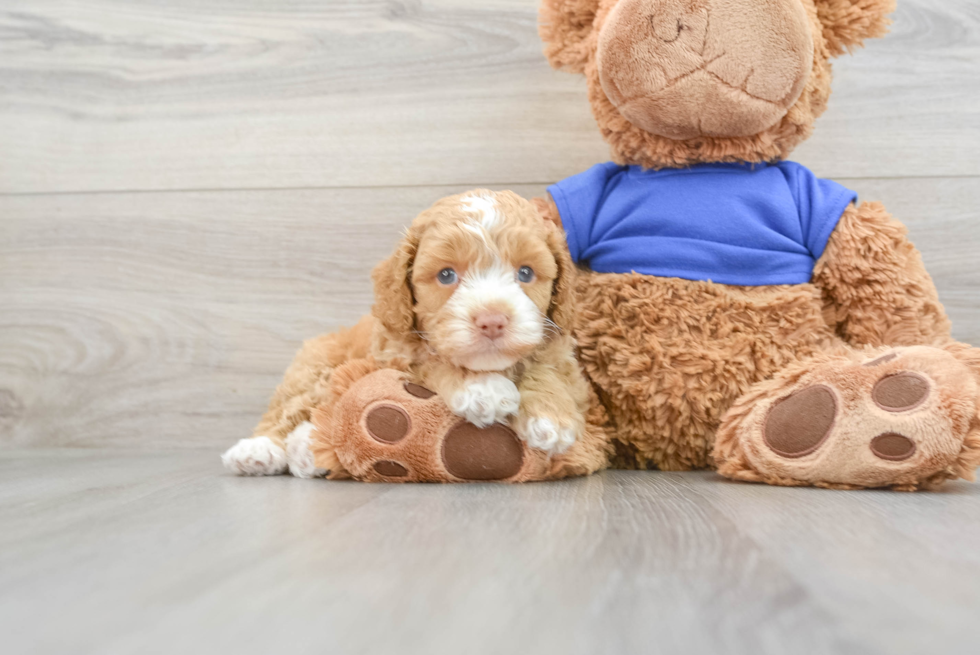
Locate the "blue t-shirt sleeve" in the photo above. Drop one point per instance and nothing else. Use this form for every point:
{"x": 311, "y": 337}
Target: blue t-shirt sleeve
{"x": 821, "y": 204}
{"x": 578, "y": 199}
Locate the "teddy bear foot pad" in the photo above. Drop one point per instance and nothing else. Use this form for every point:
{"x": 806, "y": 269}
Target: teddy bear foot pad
{"x": 467, "y": 453}
{"x": 898, "y": 419}
{"x": 388, "y": 429}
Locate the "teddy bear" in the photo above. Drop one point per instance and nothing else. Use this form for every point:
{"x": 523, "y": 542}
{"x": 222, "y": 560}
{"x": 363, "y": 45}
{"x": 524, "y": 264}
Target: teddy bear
{"x": 736, "y": 311}
{"x": 732, "y": 310}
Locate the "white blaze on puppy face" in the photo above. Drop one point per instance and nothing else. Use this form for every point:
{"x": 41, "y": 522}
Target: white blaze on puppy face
{"x": 484, "y": 208}
{"x": 482, "y": 217}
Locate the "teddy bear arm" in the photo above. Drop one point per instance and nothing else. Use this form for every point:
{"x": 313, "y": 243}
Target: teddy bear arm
{"x": 876, "y": 290}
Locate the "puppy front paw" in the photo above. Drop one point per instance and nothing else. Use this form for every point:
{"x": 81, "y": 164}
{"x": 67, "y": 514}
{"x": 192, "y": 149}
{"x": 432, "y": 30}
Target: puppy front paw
{"x": 255, "y": 456}
{"x": 487, "y": 400}
{"x": 299, "y": 457}
{"x": 543, "y": 434}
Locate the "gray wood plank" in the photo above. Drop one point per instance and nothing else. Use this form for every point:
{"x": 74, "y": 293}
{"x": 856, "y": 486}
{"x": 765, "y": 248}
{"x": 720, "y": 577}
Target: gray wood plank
{"x": 855, "y": 550}
{"x": 166, "y": 319}
{"x": 162, "y": 552}
{"x": 110, "y": 95}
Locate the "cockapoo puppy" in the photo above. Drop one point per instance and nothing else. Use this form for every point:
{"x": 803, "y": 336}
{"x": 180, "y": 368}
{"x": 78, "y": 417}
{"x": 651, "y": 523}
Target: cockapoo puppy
{"x": 476, "y": 305}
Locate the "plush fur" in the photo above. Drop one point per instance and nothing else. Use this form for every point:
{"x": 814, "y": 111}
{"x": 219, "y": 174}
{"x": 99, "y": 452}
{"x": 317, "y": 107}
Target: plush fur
{"x": 571, "y": 30}
{"x": 689, "y": 371}
{"x": 734, "y": 66}
{"x": 945, "y": 428}
{"x": 344, "y": 443}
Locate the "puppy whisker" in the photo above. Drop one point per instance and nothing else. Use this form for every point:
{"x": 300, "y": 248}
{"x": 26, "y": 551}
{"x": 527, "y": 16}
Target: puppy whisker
{"x": 551, "y": 326}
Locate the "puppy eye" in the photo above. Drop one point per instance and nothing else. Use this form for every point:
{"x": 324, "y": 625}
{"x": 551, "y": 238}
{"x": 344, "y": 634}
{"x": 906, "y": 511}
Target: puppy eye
{"x": 447, "y": 276}
{"x": 525, "y": 274}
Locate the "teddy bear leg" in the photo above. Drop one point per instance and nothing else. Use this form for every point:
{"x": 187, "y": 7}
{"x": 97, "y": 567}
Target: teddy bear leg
{"x": 386, "y": 428}
{"x": 904, "y": 418}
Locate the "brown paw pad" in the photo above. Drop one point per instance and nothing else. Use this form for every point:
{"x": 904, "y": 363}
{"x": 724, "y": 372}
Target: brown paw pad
{"x": 388, "y": 423}
{"x": 390, "y": 469}
{"x": 472, "y": 453}
{"x": 419, "y": 391}
{"x": 799, "y": 424}
{"x": 892, "y": 446}
{"x": 901, "y": 392}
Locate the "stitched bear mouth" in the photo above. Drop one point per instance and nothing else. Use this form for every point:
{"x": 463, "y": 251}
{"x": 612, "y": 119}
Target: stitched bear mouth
{"x": 726, "y": 110}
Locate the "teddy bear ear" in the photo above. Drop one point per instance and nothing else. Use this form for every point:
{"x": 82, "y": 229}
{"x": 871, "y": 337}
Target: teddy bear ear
{"x": 565, "y": 26}
{"x": 847, "y": 23}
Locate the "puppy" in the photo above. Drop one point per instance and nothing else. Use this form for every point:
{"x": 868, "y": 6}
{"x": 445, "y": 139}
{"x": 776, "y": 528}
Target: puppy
{"x": 476, "y": 304}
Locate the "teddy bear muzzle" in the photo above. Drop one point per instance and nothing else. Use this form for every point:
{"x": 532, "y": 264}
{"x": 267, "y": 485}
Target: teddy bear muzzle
{"x": 683, "y": 69}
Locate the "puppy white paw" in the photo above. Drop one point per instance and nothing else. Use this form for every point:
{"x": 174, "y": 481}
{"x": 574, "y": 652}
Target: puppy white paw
{"x": 543, "y": 434}
{"x": 487, "y": 400}
{"x": 256, "y": 456}
{"x": 298, "y": 454}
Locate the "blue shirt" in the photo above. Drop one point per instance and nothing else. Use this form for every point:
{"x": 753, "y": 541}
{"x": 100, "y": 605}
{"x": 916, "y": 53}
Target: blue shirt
{"x": 739, "y": 224}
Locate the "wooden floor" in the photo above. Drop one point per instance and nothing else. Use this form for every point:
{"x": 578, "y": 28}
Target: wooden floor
{"x": 123, "y": 552}
{"x": 188, "y": 189}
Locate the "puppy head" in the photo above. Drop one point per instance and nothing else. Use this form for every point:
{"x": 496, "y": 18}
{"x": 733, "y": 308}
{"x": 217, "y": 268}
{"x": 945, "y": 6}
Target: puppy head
{"x": 480, "y": 277}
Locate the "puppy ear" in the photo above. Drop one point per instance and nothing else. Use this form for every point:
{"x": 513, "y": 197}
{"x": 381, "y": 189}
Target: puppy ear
{"x": 394, "y": 302}
{"x": 565, "y": 27}
{"x": 548, "y": 210}
{"x": 847, "y": 23}
{"x": 562, "y": 308}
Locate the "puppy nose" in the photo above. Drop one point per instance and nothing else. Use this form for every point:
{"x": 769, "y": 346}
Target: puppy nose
{"x": 491, "y": 324}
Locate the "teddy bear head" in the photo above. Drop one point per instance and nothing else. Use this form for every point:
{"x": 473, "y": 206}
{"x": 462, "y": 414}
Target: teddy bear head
{"x": 678, "y": 82}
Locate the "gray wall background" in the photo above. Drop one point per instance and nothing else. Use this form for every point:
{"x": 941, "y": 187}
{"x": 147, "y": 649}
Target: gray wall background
{"x": 189, "y": 189}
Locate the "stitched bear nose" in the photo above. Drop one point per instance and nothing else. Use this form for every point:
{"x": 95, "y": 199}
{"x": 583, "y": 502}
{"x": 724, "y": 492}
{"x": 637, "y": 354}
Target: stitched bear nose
{"x": 491, "y": 324}
{"x": 668, "y": 27}
{"x": 670, "y": 19}
{"x": 667, "y": 31}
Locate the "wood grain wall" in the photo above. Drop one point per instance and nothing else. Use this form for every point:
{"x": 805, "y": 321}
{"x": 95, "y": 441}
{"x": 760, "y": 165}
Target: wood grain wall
{"x": 188, "y": 189}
